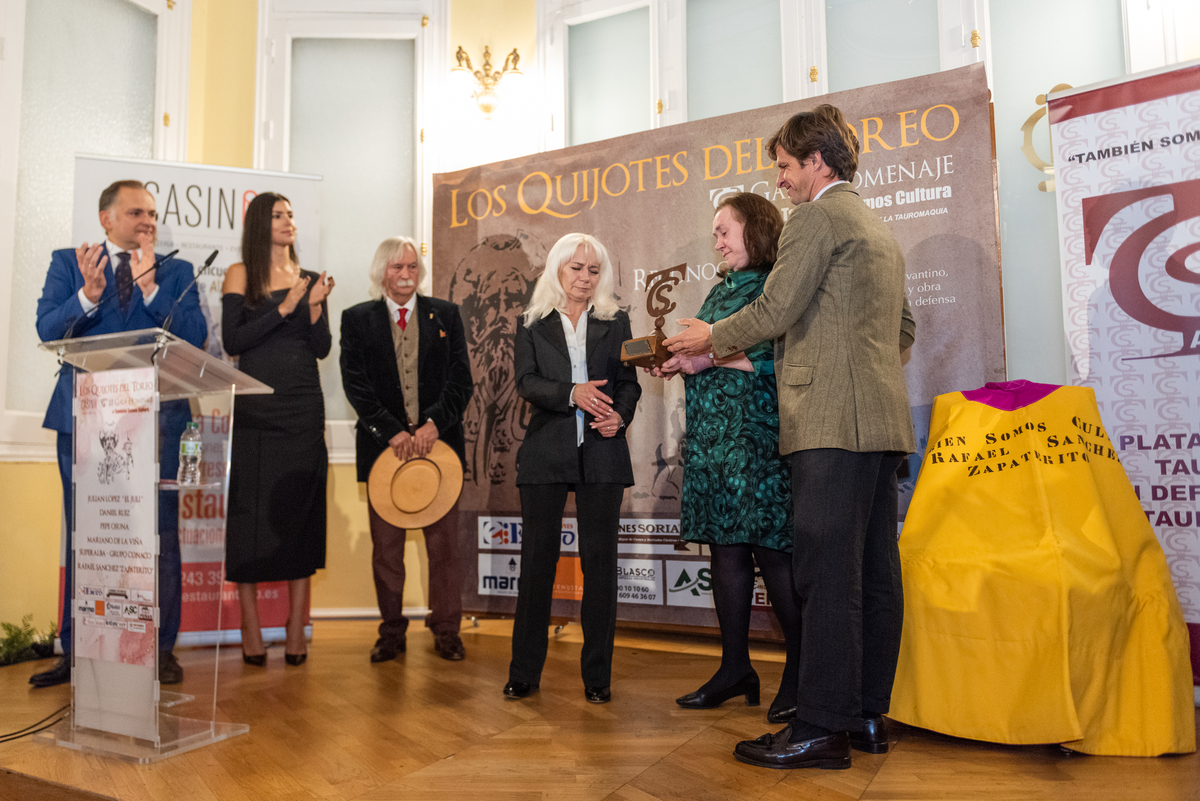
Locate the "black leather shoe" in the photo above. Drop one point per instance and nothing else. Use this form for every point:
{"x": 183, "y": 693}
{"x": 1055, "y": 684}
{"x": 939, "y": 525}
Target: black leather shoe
{"x": 597, "y": 695}
{"x": 295, "y": 660}
{"x": 59, "y": 674}
{"x": 257, "y": 660}
{"x": 169, "y": 669}
{"x": 747, "y": 686}
{"x": 873, "y": 739}
{"x": 830, "y": 752}
{"x": 781, "y": 711}
{"x": 449, "y": 646}
{"x": 386, "y": 651}
{"x": 519, "y": 689}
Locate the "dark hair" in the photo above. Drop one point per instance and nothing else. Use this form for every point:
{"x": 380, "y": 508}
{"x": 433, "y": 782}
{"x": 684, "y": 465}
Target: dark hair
{"x": 109, "y": 195}
{"x": 822, "y": 130}
{"x": 763, "y": 224}
{"x": 256, "y": 246}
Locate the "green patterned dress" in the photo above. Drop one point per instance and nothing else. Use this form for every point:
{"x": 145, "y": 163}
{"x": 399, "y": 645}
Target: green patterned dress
{"x": 736, "y": 487}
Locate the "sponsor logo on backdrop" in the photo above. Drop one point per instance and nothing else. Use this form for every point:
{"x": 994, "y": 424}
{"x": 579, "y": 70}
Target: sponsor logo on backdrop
{"x": 653, "y": 537}
{"x": 1162, "y": 208}
{"x": 499, "y": 574}
{"x": 689, "y": 584}
{"x": 639, "y": 581}
{"x": 505, "y": 533}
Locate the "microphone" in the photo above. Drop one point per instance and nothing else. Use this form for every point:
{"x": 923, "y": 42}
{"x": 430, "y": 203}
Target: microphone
{"x": 166, "y": 326}
{"x": 104, "y": 300}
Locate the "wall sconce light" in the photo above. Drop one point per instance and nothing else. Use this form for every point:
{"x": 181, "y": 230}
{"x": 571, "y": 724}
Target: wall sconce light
{"x": 485, "y": 80}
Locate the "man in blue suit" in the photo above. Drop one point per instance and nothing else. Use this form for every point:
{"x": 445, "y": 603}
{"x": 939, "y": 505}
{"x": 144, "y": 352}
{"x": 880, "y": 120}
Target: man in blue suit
{"x": 106, "y": 288}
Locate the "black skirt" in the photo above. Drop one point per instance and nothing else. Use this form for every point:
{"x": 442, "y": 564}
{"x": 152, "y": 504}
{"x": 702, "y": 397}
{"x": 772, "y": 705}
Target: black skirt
{"x": 275, "y": 530}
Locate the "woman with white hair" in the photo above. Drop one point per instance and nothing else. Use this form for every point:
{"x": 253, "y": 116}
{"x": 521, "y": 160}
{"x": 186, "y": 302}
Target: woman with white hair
{"x": 569, "y": 369}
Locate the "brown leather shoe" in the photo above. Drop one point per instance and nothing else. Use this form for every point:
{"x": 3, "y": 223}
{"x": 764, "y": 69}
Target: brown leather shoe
{"x": 873, "y": 739}
{"x": 831, "y": 752}
{"x": 449, "y": 646}
{"x": 386, "y": 651}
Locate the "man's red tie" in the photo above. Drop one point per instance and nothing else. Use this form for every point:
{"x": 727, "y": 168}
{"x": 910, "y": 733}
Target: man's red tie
{"x": 403, "y": 319}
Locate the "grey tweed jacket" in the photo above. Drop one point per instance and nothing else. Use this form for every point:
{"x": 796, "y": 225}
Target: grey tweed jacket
{"x": 837, "y": 298}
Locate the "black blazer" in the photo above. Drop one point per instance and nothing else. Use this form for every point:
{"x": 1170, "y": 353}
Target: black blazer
{"x": 549, "y": 454}
{"x": 372, "y": 380}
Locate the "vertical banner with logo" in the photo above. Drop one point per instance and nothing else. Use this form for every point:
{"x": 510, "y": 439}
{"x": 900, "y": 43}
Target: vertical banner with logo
{"x": 200, "y": 209}
{"x": 1127, "y": 168}
{"x": 927, "y": 168}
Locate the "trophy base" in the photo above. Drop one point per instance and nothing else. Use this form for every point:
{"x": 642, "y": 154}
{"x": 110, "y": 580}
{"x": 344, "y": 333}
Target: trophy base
{"x": 645, "y": 351}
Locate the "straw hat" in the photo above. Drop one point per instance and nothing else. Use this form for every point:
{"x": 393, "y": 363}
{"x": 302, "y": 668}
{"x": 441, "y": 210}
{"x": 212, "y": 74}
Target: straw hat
{"x": 418, "y": 492}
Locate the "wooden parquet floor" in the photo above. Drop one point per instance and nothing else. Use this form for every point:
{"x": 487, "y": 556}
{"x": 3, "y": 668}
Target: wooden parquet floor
{"x": 339, "y": 728}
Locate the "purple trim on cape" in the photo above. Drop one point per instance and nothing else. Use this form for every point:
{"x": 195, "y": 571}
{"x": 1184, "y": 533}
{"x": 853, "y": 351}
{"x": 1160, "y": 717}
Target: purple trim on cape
{"x": 1009, "y": 395}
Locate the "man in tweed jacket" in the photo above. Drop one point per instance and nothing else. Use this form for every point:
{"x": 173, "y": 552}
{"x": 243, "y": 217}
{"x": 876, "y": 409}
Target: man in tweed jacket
{"x": 836, "y": 297}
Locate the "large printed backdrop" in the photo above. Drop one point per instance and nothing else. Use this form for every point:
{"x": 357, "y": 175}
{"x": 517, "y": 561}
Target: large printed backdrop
{"x": 1127, "y": 163}
{"x": 927, "y": 167}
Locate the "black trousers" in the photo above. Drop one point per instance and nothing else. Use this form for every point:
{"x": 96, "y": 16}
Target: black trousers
{"x": 846, "y": 563}
{"x": 599, "y": 515}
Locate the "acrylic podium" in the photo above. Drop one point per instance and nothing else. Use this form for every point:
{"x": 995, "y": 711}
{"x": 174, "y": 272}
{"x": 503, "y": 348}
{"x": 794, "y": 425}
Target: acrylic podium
{"x": 117, "y": 708}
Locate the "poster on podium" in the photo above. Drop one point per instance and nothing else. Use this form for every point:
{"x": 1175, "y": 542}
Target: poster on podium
{"x": 115, "y": 608}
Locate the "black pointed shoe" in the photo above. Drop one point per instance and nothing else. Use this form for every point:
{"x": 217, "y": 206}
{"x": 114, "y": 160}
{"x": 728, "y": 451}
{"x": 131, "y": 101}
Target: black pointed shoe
{"x": 828, "y": 752}
{"x": 782, "y": 710}
{"x": 597, "y": 695}
{"x": 519, "y": 689}
{"x": 873, "y": 739}
{"x": 710, "y": 699}
{"x": 59, "y": 674}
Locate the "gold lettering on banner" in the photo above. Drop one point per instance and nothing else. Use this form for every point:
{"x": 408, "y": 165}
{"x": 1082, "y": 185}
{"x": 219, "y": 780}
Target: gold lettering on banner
{"x": 545, "y": 209}
{"x": 906, "y": 126}
{"x": 759, "y": 147}
{"x": 708, "y": 176}
{"x": 925, "y": 128}
{"x": 872, "y": 128}
{"x": 500, "y": 200}
{"x": 471, "y": 204}
{"x": 574, "y": 189}
{"x": 454, "y": 223}
{"x": 639, "y": 163}
{"x": 868, "y": 134}
{"x": 680, "y": 167}
{"x": 604, "y": 180}
{"x": 737, "y": 146}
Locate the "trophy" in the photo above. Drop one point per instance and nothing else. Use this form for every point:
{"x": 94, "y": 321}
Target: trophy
{"x": 650, "y": 351}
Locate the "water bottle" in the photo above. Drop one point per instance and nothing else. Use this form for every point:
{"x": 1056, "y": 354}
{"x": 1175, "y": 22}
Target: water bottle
{"x": 190, "y": 449}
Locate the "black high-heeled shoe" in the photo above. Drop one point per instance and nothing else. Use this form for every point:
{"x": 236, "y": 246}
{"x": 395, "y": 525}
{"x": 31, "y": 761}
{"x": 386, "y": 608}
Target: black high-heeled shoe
{"x": 295, "y": 660}
{"x": 782, "y": 710}
{"x": 701, "y": 699}
{"x": 257, "y": 660}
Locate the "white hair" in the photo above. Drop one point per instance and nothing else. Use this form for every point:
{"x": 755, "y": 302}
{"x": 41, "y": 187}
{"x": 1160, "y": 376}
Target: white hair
{"x": 390, "y": 250}
{"x": 548, "y": 294}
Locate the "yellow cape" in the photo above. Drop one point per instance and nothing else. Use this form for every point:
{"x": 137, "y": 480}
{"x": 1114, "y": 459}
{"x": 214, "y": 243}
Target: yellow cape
{"x": 1038, "y": 606}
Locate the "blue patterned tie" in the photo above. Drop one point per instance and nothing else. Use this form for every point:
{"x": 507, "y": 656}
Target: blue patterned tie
{"x": 124, "y": 274}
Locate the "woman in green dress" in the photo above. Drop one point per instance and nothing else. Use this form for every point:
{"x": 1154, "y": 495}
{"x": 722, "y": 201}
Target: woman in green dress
{"x": 736, "y": 490}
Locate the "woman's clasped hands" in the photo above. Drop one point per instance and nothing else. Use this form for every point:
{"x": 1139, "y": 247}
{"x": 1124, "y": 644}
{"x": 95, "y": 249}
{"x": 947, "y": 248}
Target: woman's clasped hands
{"x": 590, "y": 399}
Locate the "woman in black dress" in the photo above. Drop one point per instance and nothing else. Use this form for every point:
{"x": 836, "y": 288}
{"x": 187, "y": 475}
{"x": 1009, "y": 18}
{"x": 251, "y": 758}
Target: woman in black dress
{"x": 274, "y": 318}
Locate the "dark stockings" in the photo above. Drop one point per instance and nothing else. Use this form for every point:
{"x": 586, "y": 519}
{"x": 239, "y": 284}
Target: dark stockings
{"x": 733, "y": 589}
